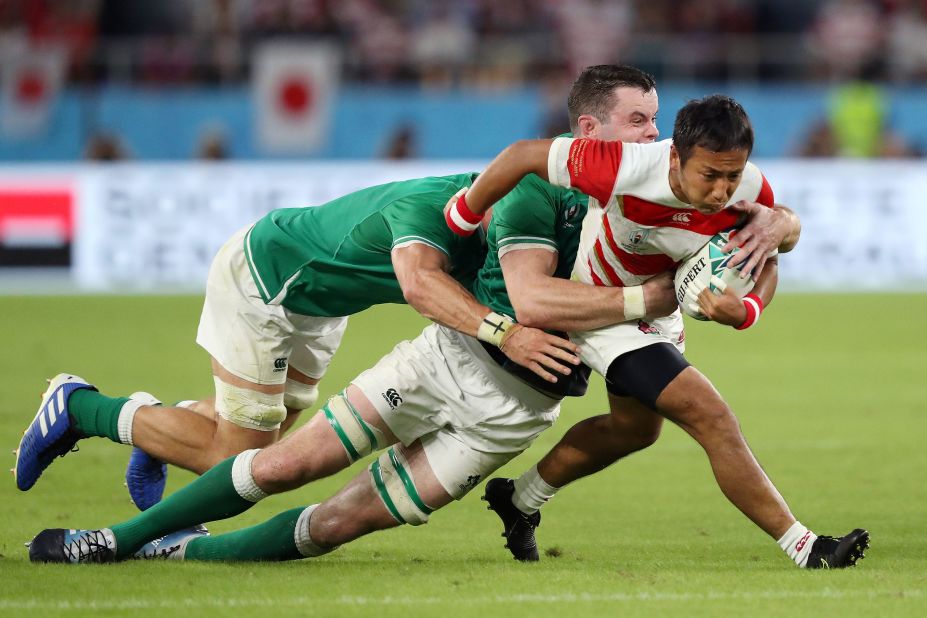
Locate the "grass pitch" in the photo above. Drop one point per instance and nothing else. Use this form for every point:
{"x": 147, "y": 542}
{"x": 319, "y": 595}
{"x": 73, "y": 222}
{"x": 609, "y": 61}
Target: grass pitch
{"x": 830, "y": 391}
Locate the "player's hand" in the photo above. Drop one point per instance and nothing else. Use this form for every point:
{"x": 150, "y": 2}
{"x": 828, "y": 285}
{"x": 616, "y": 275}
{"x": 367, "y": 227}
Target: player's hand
{"x": 765, "y": 230}
{"x": 660, "y": 295}
{"x": 540, "y": 352}
{"x": 451, "y": 202}
{"x": 723, "y": 307}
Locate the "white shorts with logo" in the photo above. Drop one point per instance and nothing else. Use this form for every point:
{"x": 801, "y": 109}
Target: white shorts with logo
{"x": 471, "y": 416}
{"x": 599, "y": 347}
{"x": 256, "y": 341}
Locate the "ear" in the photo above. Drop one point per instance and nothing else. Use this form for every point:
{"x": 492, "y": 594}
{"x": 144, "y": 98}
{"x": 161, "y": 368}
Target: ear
{"x": 674, "y": 158}
{"x": 587, "y": 126}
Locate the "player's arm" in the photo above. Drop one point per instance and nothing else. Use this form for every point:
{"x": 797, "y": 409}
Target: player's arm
{"x": 728, "y": 309}
{"x": 426, "y": 286}
{"x": 544, "y": 301}
{"x": 587, "y": 165}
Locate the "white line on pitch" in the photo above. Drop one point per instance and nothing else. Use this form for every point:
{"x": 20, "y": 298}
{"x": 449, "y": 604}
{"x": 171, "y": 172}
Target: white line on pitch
{"x": 349, "y": 600}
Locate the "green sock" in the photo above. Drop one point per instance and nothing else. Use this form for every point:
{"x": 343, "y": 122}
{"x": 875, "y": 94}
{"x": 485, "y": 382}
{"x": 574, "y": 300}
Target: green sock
{"x": 271, "y": 540}
{"x": 95, "y": 414}
{"x": 208, "y": 498}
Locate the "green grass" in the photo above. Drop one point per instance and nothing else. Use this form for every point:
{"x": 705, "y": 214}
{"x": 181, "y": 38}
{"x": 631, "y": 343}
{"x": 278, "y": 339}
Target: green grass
{"x": 830, "y": 391}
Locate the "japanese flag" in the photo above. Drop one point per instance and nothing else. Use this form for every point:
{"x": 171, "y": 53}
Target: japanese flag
{"x": 31, "y": 82}
{"x": 293, "y": 86}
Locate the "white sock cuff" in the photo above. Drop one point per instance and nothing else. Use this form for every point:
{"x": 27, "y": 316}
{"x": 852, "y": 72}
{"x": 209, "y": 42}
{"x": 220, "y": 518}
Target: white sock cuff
{"x": 531, "y": 491}
{"x": 791, "y": 535}
{"x": 242, "y": 478}
{"x": 126, "y": 418}
{"x": 797, "y": 542}
{"x": 304, "y": 543}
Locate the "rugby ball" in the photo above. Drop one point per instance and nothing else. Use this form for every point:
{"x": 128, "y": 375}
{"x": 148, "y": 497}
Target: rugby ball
{"x": 699, "y": 272}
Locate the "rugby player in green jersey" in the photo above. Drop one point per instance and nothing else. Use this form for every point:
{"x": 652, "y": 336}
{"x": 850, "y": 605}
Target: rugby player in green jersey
{"x": 452, "y": 408}
{"x": 276, "y": 300}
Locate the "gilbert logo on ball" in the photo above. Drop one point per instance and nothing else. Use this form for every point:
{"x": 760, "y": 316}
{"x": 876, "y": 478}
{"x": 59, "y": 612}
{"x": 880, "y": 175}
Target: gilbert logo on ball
{"x": 705, "y": 269}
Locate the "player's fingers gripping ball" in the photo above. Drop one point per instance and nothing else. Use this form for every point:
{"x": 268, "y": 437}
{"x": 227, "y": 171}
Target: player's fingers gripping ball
{"x": 708, "y": 268}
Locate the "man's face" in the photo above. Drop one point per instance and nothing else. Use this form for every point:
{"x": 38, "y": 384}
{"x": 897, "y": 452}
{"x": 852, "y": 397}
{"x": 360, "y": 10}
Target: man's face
{"x": 708, "y": 179}
{"x": 632, "y": 118}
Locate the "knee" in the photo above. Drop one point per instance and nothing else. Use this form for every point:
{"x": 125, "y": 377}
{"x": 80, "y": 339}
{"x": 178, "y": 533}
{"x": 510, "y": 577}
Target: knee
{"x": 644, "y": 437}
{"x": 329, "y": 527}
{"x": 636, "y": 434}
{"x": 275, "y": 470}
{"x": 714, "y": 425}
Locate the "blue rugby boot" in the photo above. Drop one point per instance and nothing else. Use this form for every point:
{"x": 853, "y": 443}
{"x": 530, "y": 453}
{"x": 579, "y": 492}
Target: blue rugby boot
{"x": 145, "y": 475}
{"x": 52, "y": 433}
{"x": 73, "y": 546}
{"x": 170, "y": 546}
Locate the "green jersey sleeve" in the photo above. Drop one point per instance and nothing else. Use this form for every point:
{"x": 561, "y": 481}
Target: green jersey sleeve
{"x": 412, "y": 220}
{"x": 527, "y": 216}
{"x": 533, "y": 215}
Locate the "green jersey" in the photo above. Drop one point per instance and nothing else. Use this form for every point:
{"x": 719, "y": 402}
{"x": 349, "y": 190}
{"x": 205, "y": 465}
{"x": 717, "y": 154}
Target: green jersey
{"x": 535, "y": 214}
{"x": 334, "y": 259}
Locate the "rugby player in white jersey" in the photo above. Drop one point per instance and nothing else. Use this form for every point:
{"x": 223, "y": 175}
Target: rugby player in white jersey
{"x": 702, "y": 174}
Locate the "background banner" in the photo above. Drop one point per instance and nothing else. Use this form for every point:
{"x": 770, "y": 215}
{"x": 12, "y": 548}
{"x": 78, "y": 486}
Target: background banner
{"x": 149, "y": 228}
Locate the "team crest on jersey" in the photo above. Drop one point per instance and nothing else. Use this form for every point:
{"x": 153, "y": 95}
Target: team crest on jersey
{"x": 637, "y": 237}
{"x": 647, "y": 328}
{"x": 569, "y": 215}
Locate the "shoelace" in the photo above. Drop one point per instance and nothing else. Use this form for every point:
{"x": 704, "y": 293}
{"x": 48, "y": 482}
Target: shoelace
{"x": 86, "y": 546}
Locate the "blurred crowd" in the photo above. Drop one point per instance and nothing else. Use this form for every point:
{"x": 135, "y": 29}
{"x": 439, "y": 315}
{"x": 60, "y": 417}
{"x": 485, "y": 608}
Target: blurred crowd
{"x": 480, "y": 43}
{"x": 855, "y": 47}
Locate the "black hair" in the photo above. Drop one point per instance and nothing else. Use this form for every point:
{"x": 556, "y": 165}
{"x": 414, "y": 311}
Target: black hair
{"x": 717, "y": 123}
{"x": 593, "y": 92}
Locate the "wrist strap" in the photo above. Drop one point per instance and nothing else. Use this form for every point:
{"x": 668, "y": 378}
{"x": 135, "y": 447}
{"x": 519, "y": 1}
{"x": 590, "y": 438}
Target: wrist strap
{"x": 493, "y": 328}
{"x": 754, "y": 306}
{"x": 460, "y": 218}
{"x": 634, "y": 307}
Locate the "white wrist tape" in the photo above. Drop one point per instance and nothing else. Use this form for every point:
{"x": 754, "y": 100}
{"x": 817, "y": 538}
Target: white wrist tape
{"x": 493, "y": 328}
{"x": 634, "y": 307}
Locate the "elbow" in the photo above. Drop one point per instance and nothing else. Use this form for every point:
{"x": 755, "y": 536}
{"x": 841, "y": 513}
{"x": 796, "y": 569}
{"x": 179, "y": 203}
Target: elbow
{"x": 528, "y": 156}
{"x": 414, "y": 290}
{"x": 530, "y": 314}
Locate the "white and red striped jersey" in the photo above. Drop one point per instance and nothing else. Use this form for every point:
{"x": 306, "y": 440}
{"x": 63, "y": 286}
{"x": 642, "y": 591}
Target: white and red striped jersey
{"x": 642, "y": 229}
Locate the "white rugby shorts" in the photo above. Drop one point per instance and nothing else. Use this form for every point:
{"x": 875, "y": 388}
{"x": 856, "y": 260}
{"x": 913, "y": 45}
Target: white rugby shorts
{"x": 471, "y": 416}
{"x": 256, "y": 341}
{"x": 599, "y": 347}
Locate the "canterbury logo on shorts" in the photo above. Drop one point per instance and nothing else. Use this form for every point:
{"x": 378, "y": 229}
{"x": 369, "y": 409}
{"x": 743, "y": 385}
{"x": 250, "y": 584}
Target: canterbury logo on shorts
{"x": 392, "y": 397}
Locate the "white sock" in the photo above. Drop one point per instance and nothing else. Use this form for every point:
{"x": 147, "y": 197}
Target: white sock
{"x": 126, "y": 418}
{"x": 532, "y": 492}
{"x": 243, "y": 480}
{"x": 304, "y": 543}
{"x": 127, "y": 414}
{"x": 797, "y": 542}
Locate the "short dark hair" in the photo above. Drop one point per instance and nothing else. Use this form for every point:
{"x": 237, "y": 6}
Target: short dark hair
{"x": 717, "y": 123}
{"x": 593, "y": 92}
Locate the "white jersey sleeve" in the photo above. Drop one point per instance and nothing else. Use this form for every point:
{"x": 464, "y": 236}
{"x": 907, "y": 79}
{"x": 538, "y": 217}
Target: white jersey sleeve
{"x": 590, "y": 166}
